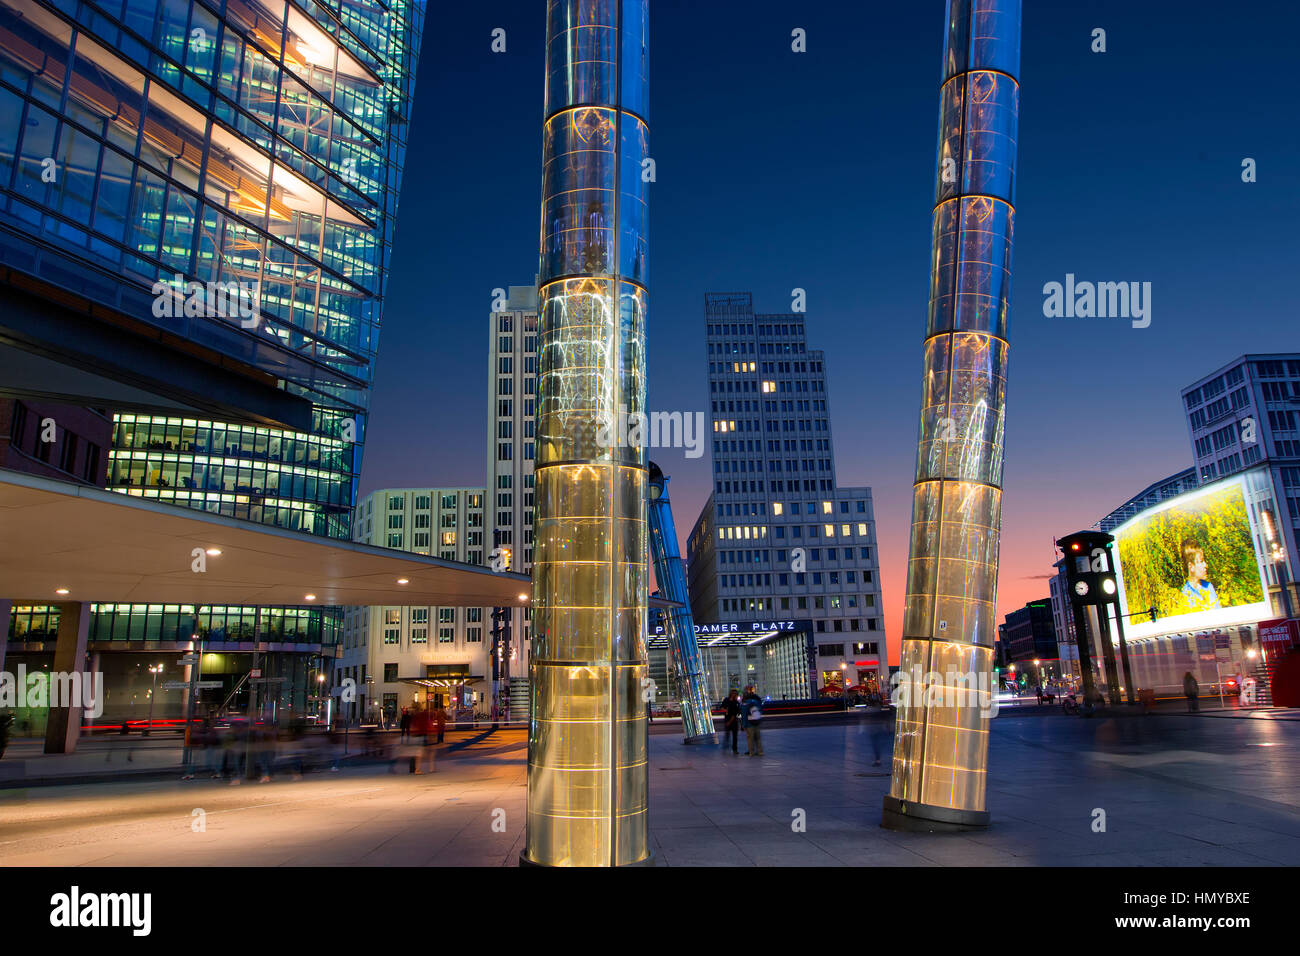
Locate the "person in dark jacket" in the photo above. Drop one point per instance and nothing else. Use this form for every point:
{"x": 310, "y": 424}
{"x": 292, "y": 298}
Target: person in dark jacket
{"x": 405, "y": 725}
{"x": 751, "y": 718}
{"x": 1191, "y": 690}
{"x": 731, "y": 721}
{"x": 440, "y": 721}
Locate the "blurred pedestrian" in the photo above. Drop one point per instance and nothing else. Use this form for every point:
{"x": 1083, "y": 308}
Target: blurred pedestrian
{"x": 752, "y": 718}
{"x": 882, "y": 735}
{"x": 440, "y": 721}
{"x": 405, "y": 724}
{"x": 1192, "y": 691}
{"x": 731, "y": 721}
{"x": 234, "y": 749}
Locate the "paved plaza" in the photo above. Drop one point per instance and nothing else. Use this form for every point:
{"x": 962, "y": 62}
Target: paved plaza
{"x": 1174, "y": 790}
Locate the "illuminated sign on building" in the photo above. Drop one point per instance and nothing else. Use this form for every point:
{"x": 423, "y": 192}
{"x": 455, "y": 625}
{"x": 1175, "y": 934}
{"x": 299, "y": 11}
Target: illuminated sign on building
{"x": 1195, "y": 560}
{"x": 744, "y": 627}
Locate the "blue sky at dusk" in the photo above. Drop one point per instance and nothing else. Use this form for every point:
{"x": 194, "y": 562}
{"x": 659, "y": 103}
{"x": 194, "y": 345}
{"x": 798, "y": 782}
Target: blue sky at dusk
{"x": 779, "y": 170}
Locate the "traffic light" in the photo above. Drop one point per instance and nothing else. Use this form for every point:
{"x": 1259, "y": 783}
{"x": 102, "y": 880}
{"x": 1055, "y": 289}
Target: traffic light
{"x": 1152, "y": 612}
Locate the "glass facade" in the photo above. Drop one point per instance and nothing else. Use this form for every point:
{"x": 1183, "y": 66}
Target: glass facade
{"x": 670, "y": 573}
{"x": 588, "y": 734}
{"x": 948, "y": 623}
{"x": 150, "y": 148}
{"x": 288, "y": 479}
{"x": 226, "y": 172}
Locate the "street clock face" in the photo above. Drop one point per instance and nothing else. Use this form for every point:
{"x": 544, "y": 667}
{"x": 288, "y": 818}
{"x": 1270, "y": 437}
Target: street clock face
{"x": 1081, "y": 588}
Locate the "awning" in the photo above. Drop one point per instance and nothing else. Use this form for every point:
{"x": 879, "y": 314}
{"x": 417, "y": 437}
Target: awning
{"x": 442, "y": 681}
{"x": 105, "y": 547}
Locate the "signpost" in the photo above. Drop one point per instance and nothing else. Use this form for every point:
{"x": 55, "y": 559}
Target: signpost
{"x": 198, "y": 684}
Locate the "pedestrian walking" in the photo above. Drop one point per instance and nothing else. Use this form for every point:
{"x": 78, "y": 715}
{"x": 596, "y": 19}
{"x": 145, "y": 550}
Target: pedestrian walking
{"x": 1192, "y": 691}
{"x": 210, "y": 747}
{"x": 882, "y": 735}
{"x": 440, "y": 721}
{"x": 731, "y": 721}
{"x": 421, "y": 725}
{"x": 752, "y": 717}
{"x": 405, "y": 725}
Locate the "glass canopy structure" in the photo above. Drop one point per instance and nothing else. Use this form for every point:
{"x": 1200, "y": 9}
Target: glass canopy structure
{"x": 689, "y": 678}
{"x": 588, "y": 734}
{"x": 941, "y": 751}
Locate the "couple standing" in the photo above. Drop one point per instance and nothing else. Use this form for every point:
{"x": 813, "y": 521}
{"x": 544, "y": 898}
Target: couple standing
{"x": 747, "y": 713}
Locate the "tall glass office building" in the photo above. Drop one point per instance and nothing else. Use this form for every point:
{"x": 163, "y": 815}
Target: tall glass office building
{"x": 948, "y": 619}
{"x": 225, "y": 175}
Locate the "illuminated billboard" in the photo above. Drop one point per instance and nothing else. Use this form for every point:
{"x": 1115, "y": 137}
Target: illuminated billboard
{"x": 1192, "y": 558}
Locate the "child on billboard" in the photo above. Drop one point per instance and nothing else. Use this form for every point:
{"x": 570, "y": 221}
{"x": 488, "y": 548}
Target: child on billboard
{"x": 1197, "y": 589}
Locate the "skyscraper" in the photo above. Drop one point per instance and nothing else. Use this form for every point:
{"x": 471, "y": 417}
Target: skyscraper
{"x": 941, "y": 751}
{"x": 778, "y": 537}
{"x": 588, "y": 741}
{"x": 227, "y": 183}
{"x": 511, "y": 451}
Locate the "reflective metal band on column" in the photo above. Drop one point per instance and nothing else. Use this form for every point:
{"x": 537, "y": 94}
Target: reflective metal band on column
{"x": 679, "y": 625}
{"x": 941, "y": 750}
{"x": 587, "y": 741}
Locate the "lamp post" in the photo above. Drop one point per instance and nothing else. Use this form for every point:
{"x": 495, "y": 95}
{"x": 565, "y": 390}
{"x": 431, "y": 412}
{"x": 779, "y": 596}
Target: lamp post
{"x": 844, "y": 683}
{"x": 155, "y": 670}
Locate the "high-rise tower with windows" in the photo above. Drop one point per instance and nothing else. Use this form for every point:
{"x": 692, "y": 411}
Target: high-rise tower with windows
{"x": 511, "y": 450}
{"x": 778, "y": 536}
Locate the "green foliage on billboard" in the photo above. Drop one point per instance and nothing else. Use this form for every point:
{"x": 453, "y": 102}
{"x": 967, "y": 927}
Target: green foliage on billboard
{"x": 1194, "y": 556}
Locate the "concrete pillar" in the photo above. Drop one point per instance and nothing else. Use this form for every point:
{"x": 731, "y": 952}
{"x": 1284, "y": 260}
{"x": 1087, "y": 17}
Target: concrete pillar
{"x": 64, "y": 726}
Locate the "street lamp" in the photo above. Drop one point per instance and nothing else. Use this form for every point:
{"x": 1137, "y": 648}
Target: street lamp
{"x": 155, "y": 670}
{"x": 844, "y": 683}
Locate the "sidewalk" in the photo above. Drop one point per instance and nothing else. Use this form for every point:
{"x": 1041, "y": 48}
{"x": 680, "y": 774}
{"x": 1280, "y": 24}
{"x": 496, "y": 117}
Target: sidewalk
{"x": 1061, "y": 791}
{"x": 1164, "y": 707}
{"x": 108, "y": 759}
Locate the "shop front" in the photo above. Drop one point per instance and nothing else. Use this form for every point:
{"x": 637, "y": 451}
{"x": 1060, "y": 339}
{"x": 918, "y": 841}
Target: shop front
{"x": 452, "y": 686}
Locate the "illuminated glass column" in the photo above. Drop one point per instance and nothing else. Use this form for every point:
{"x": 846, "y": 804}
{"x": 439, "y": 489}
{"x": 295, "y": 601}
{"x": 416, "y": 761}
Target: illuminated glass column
{"x": 941, "y": 751}
{"x": 587, "y": 741}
